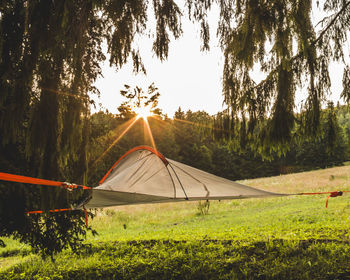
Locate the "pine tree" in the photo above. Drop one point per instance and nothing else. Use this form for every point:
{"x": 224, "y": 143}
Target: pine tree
{"x": 297, "y": 54}
{"x": 50, "y": 56}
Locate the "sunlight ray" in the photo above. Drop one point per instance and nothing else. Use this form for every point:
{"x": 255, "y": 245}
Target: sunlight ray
{"x": 146, "y": 124}
{"x": 193, "y": 123}
{"x": 129, "y": 125}
{"x": 201, "y": 125}
{"x": 160, "y": 121}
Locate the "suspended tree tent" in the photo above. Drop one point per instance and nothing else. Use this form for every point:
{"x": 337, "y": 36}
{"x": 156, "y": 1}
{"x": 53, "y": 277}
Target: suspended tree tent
{"x": 143, "y": 175}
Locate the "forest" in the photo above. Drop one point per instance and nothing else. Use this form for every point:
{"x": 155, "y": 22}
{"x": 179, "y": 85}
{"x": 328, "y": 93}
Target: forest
{"x": 51, "y": 54}
{"x": 191, "y": 138}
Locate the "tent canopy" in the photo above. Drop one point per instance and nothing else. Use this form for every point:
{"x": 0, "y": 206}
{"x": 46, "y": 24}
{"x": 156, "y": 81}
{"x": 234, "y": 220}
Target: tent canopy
{"x": 143, "y": 175}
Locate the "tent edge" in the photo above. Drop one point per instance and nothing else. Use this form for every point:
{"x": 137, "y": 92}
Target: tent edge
{"x": 152, "y": 150}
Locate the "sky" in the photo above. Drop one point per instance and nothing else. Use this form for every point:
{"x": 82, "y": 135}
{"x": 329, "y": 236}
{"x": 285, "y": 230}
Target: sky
{"x": 188, "y": 78}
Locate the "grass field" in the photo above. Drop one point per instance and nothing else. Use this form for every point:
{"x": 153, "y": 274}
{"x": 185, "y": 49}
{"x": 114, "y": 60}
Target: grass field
{"x": 292, "y": 237}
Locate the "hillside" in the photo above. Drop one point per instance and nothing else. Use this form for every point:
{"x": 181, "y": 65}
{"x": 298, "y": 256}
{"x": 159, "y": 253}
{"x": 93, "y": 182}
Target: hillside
{"x": 293, "y": 237}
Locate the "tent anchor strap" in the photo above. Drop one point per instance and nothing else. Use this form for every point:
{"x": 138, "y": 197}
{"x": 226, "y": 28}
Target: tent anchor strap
{"x": 330, "y": 194}
{"x": 61, "y": 210}
{"x": 36, "y": 181}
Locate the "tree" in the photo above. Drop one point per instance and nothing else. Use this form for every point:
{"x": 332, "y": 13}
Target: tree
{"x": 140, "y": 102}
{"x": 296, "y": 54}
{"x": 343, "y": 115}
{"x": 50, "y": 55}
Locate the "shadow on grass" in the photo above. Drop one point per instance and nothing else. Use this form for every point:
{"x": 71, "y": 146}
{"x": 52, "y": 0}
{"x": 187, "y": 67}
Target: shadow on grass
{"x": 15, "y": 252}
{"x": 201, "y": 259}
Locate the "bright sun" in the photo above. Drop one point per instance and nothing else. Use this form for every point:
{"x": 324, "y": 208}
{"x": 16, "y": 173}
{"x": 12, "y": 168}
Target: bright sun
{"x": 143, "y": 112}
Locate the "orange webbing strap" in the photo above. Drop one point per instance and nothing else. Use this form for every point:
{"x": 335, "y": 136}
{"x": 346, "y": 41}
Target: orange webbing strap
{"x": 331, "y": 194}
{"x": 52, "y": 211}
{"x": 36, "y": 181}
{"x": 61, "y": 210}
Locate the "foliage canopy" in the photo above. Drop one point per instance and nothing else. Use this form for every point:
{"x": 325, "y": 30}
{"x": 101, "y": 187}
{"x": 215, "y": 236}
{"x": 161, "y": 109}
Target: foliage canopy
{"x": 51, "y": 53}
{"x": 50, "y": 56}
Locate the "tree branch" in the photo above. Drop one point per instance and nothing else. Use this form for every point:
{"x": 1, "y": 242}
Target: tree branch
{"x": 331, "y": 23}
{"x": 298, "y": 55}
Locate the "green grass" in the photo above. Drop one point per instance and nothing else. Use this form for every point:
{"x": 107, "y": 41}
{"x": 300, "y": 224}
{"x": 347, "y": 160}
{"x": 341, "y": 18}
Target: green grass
{"x": 293, "y": 237}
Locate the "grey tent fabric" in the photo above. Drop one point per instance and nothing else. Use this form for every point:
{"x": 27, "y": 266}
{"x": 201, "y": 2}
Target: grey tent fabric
{"x": 143, "y": 175}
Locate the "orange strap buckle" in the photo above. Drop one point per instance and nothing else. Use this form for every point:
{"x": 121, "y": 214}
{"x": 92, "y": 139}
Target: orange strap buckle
{"x": 333, "y": 194}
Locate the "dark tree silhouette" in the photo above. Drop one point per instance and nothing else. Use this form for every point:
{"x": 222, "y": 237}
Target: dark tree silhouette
{"x": 50, "y": 56}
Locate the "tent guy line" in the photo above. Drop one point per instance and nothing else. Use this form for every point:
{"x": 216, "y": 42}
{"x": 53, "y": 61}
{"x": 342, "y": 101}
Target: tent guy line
{"x": 143, "y": 175}
{"x": 37, "y": 181}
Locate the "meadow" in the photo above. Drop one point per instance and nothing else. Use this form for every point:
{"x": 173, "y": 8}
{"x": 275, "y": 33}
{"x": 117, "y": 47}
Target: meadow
{"x": 293, "y": 237}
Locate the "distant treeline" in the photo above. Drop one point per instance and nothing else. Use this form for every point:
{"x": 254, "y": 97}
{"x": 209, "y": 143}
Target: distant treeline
{"x": 190, "y": 138}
